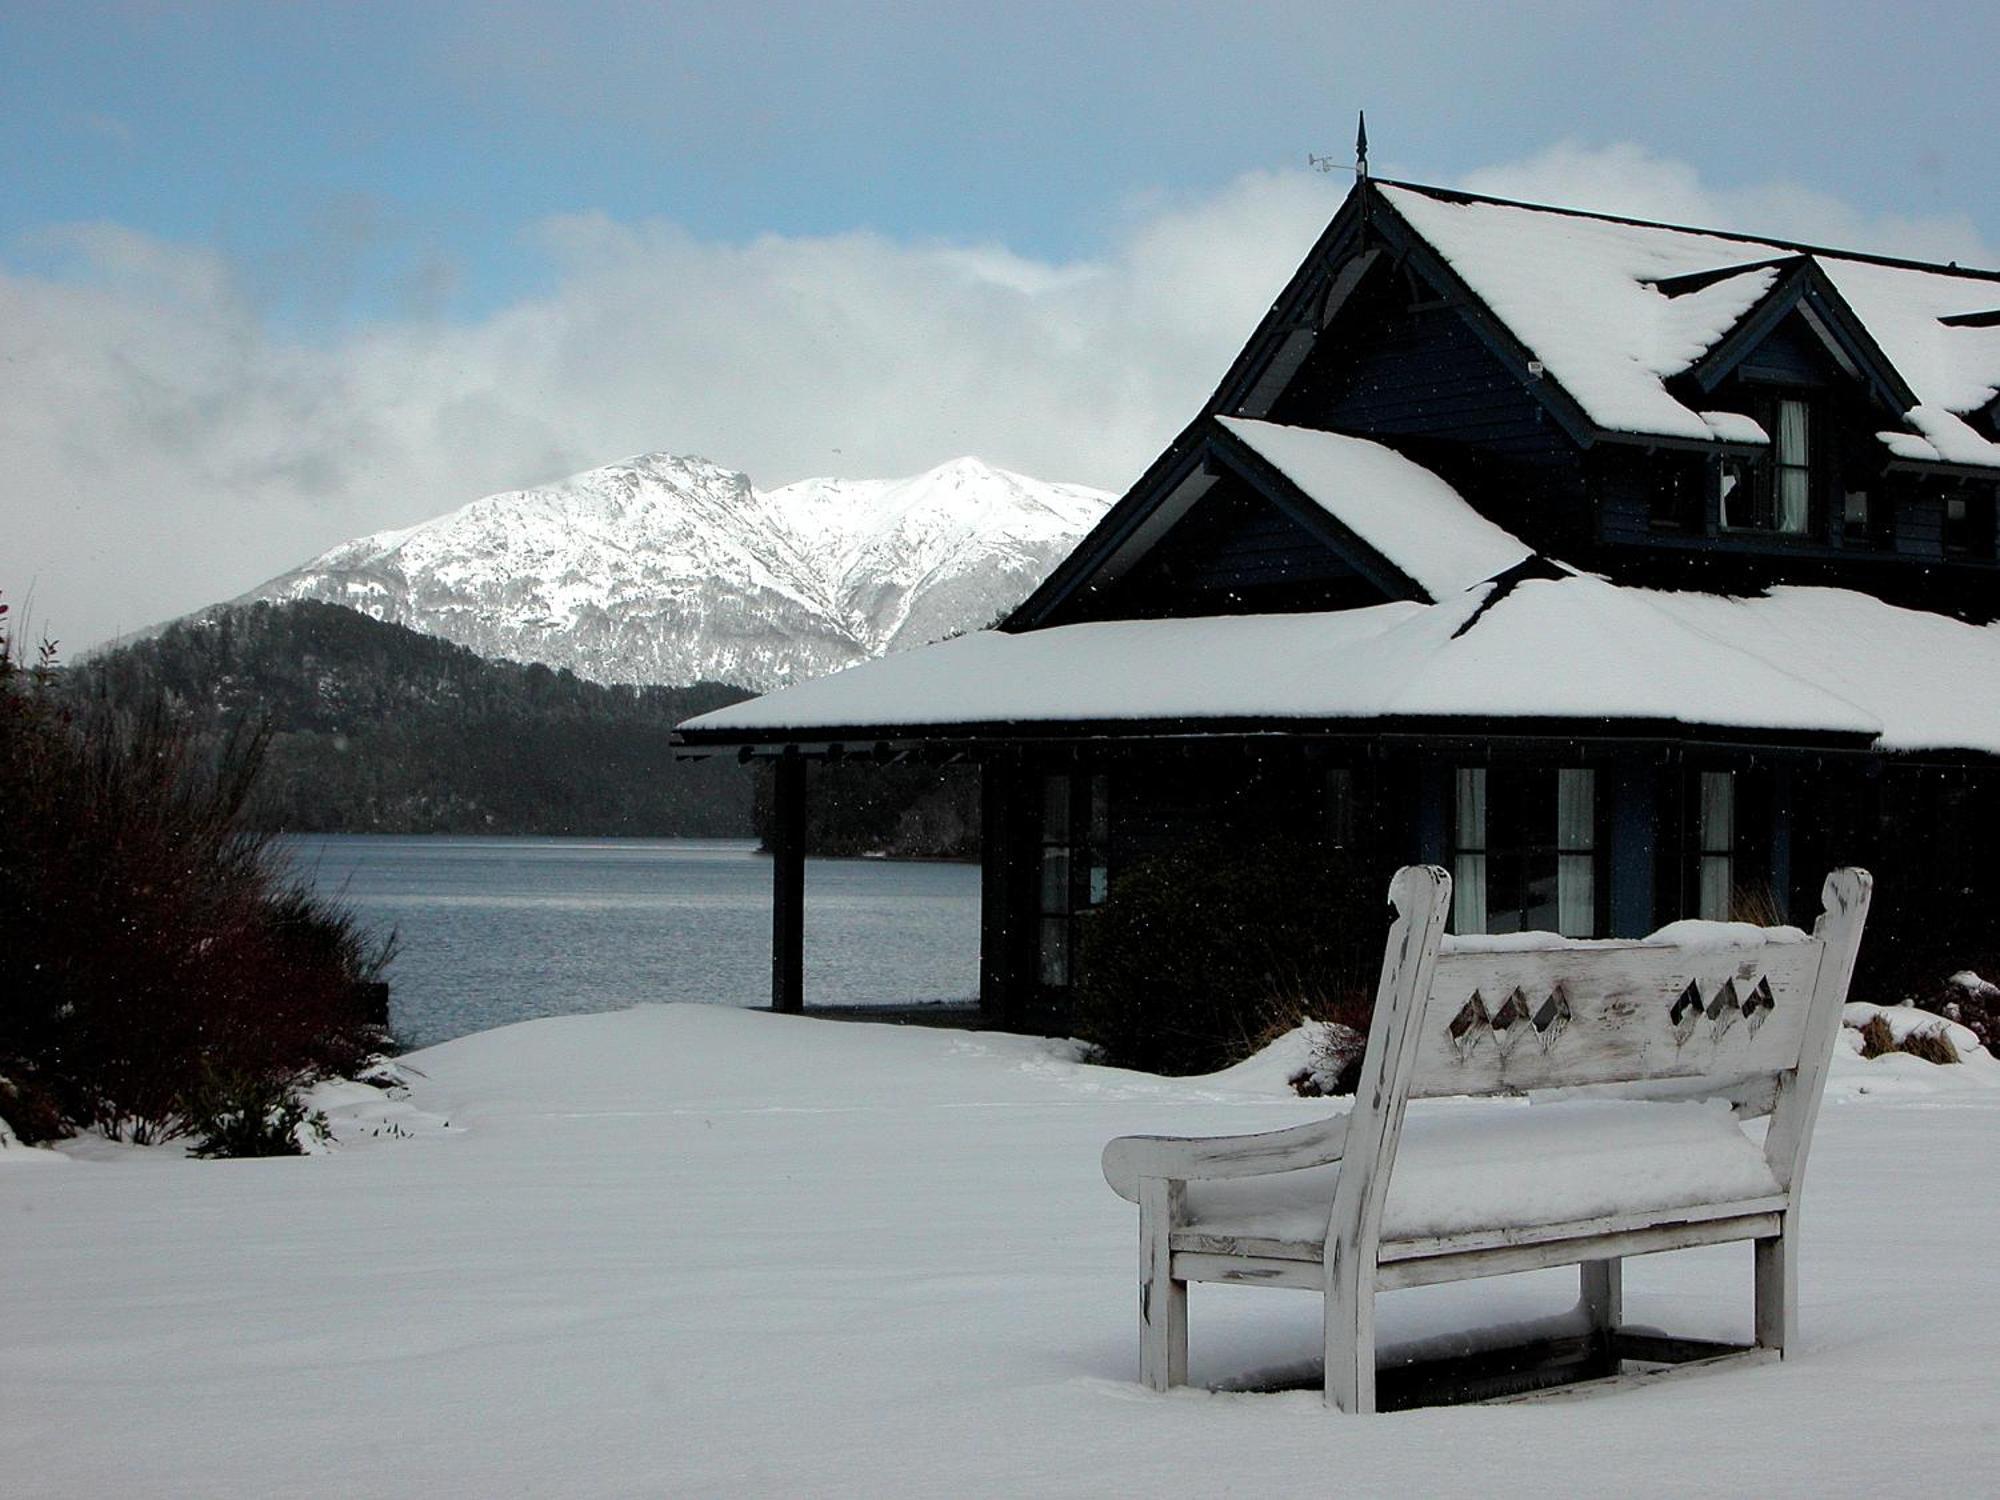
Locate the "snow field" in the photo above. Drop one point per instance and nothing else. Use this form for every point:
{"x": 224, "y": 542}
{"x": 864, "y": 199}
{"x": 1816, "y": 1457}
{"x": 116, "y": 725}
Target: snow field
{"x": 688, "y": 1250}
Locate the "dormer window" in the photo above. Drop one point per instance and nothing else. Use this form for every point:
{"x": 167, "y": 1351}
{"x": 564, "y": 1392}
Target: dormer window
{"x": 1774, "y": 494}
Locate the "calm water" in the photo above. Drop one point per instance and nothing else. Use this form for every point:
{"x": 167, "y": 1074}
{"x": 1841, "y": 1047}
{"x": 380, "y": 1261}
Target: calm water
{"x": 495, "y": 930}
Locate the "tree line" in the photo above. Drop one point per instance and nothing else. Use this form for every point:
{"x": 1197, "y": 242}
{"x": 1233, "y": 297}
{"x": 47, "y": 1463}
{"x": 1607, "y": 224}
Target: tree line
{"x": 375, "y": 728}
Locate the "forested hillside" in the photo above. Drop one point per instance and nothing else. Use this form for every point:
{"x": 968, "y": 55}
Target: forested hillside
{"x": 379, "y": 729}
{"x": 375, "y": 728}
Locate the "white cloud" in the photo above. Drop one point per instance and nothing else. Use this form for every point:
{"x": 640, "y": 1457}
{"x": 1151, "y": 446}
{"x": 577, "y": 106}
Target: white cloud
{"x": 162, "y": 447}
{"x": 1632, "y": 181}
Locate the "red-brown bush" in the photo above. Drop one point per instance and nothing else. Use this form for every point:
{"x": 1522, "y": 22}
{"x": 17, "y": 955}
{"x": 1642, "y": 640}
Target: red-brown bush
{"x": 154, "y": 953}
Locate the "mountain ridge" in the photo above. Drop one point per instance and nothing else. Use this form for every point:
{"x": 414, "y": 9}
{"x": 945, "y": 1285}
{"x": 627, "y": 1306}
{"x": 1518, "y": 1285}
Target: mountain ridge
{"x": 672, "y": 570}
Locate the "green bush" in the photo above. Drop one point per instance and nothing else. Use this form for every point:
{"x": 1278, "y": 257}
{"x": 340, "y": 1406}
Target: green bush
{"x": 248, "y": 1115}
{"x": 1200, "y": 955}
{"x": 149, "y": 942}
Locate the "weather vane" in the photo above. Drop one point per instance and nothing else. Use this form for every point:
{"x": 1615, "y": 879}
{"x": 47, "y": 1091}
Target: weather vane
{"x": 1332, "y": 164}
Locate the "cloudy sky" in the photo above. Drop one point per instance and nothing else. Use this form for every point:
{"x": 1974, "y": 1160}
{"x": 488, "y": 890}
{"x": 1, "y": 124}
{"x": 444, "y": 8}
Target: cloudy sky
{"x": 272, "y": 276}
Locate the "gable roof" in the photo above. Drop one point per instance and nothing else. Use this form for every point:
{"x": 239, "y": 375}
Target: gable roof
{"x": 1398, "y": 525}
{"x": 1614, "y": 309}
{"x": 1510, "y": 637}
{"x": 1412, "y": 518}
{"x": 1600, "y": 317}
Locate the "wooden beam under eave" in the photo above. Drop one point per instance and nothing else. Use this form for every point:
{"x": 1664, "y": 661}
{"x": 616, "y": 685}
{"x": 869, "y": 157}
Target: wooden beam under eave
{"x": 788, "y": 886}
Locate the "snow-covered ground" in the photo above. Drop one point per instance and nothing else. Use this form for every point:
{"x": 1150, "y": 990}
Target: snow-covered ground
{"x": 687, "y": 1250}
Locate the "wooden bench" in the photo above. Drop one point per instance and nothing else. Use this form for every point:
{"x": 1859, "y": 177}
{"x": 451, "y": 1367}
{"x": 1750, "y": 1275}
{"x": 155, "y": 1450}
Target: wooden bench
{"x": 1660, "y": 1048}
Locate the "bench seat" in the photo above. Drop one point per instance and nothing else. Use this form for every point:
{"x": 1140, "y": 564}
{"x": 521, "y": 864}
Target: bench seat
{"x": 1499, "y": 1167}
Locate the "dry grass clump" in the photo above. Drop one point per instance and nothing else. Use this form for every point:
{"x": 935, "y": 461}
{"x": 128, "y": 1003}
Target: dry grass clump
{"x": 1928, "y": 1042}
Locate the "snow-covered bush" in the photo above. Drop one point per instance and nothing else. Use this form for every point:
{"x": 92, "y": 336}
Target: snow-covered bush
{"x": 149, "y": 943}
{"x": 1333, "y": 1067}
{"x": 1201, "y": 955}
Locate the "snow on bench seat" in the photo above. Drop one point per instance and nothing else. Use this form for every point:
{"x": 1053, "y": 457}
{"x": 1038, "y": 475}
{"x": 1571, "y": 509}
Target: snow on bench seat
{"x": 1505, "y": 1166}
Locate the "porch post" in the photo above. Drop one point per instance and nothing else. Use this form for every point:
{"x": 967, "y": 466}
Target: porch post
{"x": 788, "y": 888}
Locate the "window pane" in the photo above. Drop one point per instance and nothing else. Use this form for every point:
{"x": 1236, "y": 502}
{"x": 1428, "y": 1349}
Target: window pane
{"x": 1793, "y": 445}
{"x": 1738, "y": 493}
{"x": 1472, "y": 810}
{"x": 1576, "y": 895}
{"x": 1715, "y": 887}
{"x": 1055, "y": 809}
{"x": 1576, "y": 809}
{"x": 1055, "y": 951}
{"x": 1540, "y": 909}
{"x": 1055, "y": 878}
{"x": 1468, "y": 893}
{"x": 1718, "y": 812}
{"x": 1794, "y": 500}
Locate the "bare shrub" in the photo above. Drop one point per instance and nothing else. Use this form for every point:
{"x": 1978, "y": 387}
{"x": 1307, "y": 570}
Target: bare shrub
{"x": 149, "y": 941}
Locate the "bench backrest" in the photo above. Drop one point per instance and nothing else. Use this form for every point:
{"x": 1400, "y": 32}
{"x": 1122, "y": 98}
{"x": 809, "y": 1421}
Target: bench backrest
{"x": 1487, "y": 1019}
{"x": 1508, "y": 1020}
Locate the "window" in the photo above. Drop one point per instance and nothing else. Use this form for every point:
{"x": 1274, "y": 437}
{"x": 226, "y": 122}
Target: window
{"x": 1715, "y": 843}
{"x": 1857, "y": 519}
{"x": 1525, "y": 851}
{"x": 1775, "y": 493}
{"x": 1791, "y": 462}
{"x": 1677, "y": 495}
{"x": 1968, "y": 524}
{"x": 1074, "y": 873}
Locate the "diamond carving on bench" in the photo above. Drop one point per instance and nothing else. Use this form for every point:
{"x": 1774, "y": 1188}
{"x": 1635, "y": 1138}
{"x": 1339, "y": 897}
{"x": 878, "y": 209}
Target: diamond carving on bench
{"x": 1468, "y": 1026}
{"x": 1511, "y": 1023}
{"x": 1686, "y": 1013}
{"x": 1553, "y": 1019}
{"x": 1517, "y": 1018}
{"x": 1758, "y": 1005}
{"x": 1728, "y": 1006}
{"x": 1723, "y": 1011}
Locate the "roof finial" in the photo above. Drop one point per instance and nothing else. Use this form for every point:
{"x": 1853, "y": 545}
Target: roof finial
{"x": 1361, "y": 144}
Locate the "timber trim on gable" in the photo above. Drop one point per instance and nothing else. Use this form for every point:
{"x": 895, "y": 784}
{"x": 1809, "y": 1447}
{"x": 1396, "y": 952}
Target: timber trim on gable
{"x": 1366, "y": 223}
{"x": 1163, "y": 501}
{"x": 1806, "y": 290}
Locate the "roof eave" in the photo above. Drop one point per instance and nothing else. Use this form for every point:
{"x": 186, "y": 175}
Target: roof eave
{"x": 971, "y": 736}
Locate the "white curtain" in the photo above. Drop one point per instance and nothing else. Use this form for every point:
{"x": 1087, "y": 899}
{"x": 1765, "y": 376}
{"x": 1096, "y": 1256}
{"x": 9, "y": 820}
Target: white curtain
{"x": 1794, "y": 468}
{"x": 1576, "y": 861}
{"x": 1468, "y": 867}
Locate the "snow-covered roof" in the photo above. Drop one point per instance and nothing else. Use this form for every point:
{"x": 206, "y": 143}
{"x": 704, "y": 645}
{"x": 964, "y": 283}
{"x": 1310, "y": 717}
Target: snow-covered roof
{"x": 1797, "y": 661}
{"x": 1584, "y": 295}
{"x": 1413, "y": 518}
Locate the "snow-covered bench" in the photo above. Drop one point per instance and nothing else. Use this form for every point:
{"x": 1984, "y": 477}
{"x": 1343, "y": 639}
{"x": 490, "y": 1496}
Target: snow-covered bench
{"x": 1660, "y": 1047}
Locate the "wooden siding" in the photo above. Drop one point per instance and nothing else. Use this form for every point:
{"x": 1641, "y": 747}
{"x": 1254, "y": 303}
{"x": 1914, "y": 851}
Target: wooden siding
{"x": 1421, "y": 373}
{"x": 1791, "y": 354}
{"x": 1233, "y": 553}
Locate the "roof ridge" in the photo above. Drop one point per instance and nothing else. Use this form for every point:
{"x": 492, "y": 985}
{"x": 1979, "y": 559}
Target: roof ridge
{"x": 1904, "y": 263}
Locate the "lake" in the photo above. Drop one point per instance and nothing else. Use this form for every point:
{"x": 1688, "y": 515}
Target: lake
{"x": 494, "y": 930}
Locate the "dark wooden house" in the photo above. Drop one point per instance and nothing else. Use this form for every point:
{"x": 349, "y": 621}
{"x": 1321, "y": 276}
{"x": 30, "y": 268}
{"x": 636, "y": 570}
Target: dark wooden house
{"x": 1631, "y": 572}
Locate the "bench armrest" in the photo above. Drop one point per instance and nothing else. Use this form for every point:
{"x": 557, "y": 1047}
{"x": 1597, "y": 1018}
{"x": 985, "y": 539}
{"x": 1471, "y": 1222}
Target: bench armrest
{"x": 1180, "y": 1158}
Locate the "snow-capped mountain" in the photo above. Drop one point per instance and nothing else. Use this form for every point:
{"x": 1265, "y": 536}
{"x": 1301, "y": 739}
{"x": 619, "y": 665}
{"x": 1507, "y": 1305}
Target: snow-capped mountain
{"x": 674, "y": 570}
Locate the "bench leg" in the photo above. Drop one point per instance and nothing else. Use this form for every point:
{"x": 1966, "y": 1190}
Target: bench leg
{"x": 1603, "y": 1294}
{"x": 1777, "y": 1290}
{"x": 1350, "y": 1338}
{"x": 1163, "y": 1321}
